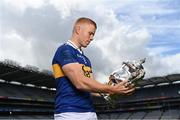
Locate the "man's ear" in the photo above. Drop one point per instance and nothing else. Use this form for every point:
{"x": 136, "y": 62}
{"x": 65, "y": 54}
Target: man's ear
{"x": 77, "y": 29}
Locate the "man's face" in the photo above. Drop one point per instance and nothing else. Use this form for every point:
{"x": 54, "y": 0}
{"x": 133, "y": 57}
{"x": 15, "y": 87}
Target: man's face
{"x": 86, "y": 34}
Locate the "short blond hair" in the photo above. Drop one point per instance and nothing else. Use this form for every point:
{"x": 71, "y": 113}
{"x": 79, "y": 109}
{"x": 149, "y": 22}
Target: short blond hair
{"x": 84, "y": 20}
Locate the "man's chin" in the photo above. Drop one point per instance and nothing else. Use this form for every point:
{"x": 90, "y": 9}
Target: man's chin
{"x": 84, "y": 46}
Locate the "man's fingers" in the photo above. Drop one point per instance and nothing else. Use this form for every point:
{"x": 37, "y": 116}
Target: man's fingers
{"x": 128, "y": 91}
{"x": 126, "y": 88}
{"x": 127, "y": 84}
{"x": 130, "y": 85}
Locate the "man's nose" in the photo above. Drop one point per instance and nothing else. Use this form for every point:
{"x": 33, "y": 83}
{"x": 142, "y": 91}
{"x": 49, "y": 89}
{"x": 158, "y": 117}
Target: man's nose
{"x": 92, "y": 37}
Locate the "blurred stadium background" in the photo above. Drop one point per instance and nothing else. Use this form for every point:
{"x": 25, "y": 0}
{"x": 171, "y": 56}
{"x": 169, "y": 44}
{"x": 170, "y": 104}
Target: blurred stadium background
{"x": 28, "y": 93}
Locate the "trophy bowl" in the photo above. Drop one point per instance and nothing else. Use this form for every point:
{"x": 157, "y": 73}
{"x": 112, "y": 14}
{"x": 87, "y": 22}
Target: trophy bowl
{"x": 131, "y": 71}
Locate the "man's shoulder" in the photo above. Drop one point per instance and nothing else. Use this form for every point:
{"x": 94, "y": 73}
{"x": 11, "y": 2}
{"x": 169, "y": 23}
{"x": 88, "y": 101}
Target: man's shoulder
{"x": 65, "y": 47}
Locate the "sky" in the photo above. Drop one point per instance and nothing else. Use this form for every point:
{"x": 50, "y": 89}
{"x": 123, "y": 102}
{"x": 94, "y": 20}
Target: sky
{"x": 32, "y": 30}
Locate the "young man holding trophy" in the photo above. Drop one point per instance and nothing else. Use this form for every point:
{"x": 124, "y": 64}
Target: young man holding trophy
{"x": 74, "y": 77}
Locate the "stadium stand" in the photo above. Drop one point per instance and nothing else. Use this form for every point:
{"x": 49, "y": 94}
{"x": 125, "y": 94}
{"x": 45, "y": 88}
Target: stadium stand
{"x": 27, "y": 93}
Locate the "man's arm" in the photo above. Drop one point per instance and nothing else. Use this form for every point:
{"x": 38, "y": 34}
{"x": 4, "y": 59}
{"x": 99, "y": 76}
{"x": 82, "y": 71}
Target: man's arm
{"x": 93, "y": 93}
{"x": 75, "y": 73}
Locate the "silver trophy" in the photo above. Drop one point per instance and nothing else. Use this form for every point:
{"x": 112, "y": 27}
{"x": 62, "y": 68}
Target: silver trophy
{"x": 131, "y": 71}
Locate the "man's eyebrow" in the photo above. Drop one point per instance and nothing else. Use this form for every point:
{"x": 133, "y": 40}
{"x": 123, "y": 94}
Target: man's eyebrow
{"x": 92, "y": 33}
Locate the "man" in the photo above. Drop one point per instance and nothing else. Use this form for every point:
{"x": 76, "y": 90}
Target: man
{"x": 73, "y": 74}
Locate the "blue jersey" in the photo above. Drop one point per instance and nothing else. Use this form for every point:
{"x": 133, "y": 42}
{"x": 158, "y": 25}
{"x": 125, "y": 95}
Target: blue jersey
{"x": 68, "y": 98}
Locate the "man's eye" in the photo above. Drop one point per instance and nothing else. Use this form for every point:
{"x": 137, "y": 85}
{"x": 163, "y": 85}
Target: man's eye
{"x": 91, "y": 33}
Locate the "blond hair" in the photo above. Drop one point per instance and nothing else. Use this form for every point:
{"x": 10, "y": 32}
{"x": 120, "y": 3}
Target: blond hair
{"x": 83, "y": 20}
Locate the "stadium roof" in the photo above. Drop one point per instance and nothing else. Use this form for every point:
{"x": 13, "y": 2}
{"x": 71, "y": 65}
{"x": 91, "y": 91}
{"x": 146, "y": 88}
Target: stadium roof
{"x": 10, "y": 71}
{"x": 157, "y": 81}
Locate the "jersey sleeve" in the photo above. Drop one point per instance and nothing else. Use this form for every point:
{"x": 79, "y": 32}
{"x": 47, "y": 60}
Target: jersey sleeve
{"x": 65, "y": 56}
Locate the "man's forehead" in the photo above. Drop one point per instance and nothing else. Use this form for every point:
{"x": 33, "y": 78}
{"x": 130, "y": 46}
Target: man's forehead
{"x": 88, "y": 26}
{"x": 85, "y": 24}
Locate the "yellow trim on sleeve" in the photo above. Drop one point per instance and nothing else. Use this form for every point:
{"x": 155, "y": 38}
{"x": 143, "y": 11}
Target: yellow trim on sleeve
{"x": 57, "y": 70}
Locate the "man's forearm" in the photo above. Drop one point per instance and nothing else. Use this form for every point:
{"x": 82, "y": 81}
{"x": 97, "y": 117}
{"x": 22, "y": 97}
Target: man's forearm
{"x": 91, "y": 85}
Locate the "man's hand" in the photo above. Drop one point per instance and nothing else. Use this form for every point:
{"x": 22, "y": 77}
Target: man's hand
{"x": 124, "y": 87}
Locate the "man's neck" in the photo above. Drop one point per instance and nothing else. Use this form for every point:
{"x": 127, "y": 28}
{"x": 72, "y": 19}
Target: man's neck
{"x": 70, "y": 42}
{"x": 75, "y": 42}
